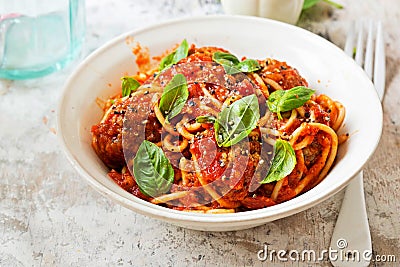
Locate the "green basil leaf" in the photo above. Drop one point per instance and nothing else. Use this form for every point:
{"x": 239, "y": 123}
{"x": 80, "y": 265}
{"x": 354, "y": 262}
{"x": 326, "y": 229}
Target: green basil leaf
{"x": 309, "y": 3}
{"x": 334, "y": 4}
{"x": 285, "y": 100}
{"x": 129, "y": 85}
{"x": 228, "y": 61}
{"x": 229, "y": 67}
{"x": 248, "y": 65}
{"x": 233, "y": 65}
{"x": 236, "y": 121}
{"x": 167, "y": 61}
{"x": 283, "y": 162}
{"x": 174, "y": 97}
{"x": 180, "y": 53}
{"x": 152, "y": 170}
{"x": 206, "y": 119}
{"x": 223, "y": 58}
{"x": 273, "y": 100}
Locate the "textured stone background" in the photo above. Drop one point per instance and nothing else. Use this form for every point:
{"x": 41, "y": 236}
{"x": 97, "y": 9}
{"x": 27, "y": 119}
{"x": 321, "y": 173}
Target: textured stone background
{"x": 50, "y": 217}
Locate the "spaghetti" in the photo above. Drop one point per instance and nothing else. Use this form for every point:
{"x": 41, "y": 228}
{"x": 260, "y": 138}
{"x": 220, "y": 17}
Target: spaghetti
{"x": 205, "y": 172}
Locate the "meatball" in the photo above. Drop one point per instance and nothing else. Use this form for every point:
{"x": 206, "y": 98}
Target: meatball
{"x": 107, "y": 135}
{"x": 281, "y": 73}
{"x": 124, "y": 126}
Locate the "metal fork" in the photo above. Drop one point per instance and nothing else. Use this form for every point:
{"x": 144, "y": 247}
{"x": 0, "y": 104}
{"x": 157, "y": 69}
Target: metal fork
{"x": 351, "y": 231}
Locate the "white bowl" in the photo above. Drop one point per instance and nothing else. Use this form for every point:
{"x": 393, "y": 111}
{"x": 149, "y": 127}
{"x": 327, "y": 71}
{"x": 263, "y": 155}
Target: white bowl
{"x": 324, "y": 65}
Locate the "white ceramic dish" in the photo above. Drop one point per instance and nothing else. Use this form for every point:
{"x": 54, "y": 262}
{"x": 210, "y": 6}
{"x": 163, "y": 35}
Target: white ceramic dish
{"x": 324, "y": 65}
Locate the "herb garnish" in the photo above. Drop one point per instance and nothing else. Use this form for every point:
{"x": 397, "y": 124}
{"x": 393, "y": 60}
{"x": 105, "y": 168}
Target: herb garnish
{"x": 285, "y": 100}
{"x": 152, "y": 170}
{"x": 236, "y": 121}
{"x": 129, "y": 85}
{"x": 309, "y": 3}
{"x": 233, "y": 65}
{"x": 174, "y": 97}
{"x": 180, "y": 53}
{"x": 206, "y": 119}
{"x": 283, "y": 162}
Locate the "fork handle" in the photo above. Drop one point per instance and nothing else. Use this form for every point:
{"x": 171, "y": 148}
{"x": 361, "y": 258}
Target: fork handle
{"x": 352, "y": 224}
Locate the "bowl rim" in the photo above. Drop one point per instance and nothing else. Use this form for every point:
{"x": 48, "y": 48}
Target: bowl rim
{"x": 143, "y": 207}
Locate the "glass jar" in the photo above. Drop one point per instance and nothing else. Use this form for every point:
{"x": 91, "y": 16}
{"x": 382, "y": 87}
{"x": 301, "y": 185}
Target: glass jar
{"x": 283, "y": 10}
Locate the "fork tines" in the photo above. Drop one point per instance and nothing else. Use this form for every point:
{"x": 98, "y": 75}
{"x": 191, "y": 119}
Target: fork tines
{"x": 364, "y": 40}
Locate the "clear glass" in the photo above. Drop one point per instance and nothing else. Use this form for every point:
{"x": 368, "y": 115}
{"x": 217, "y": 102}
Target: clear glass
{"x": 38, "y": 37}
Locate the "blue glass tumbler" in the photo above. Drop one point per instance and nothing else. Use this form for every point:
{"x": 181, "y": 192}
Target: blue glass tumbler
{"x": 38, "y": 37}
